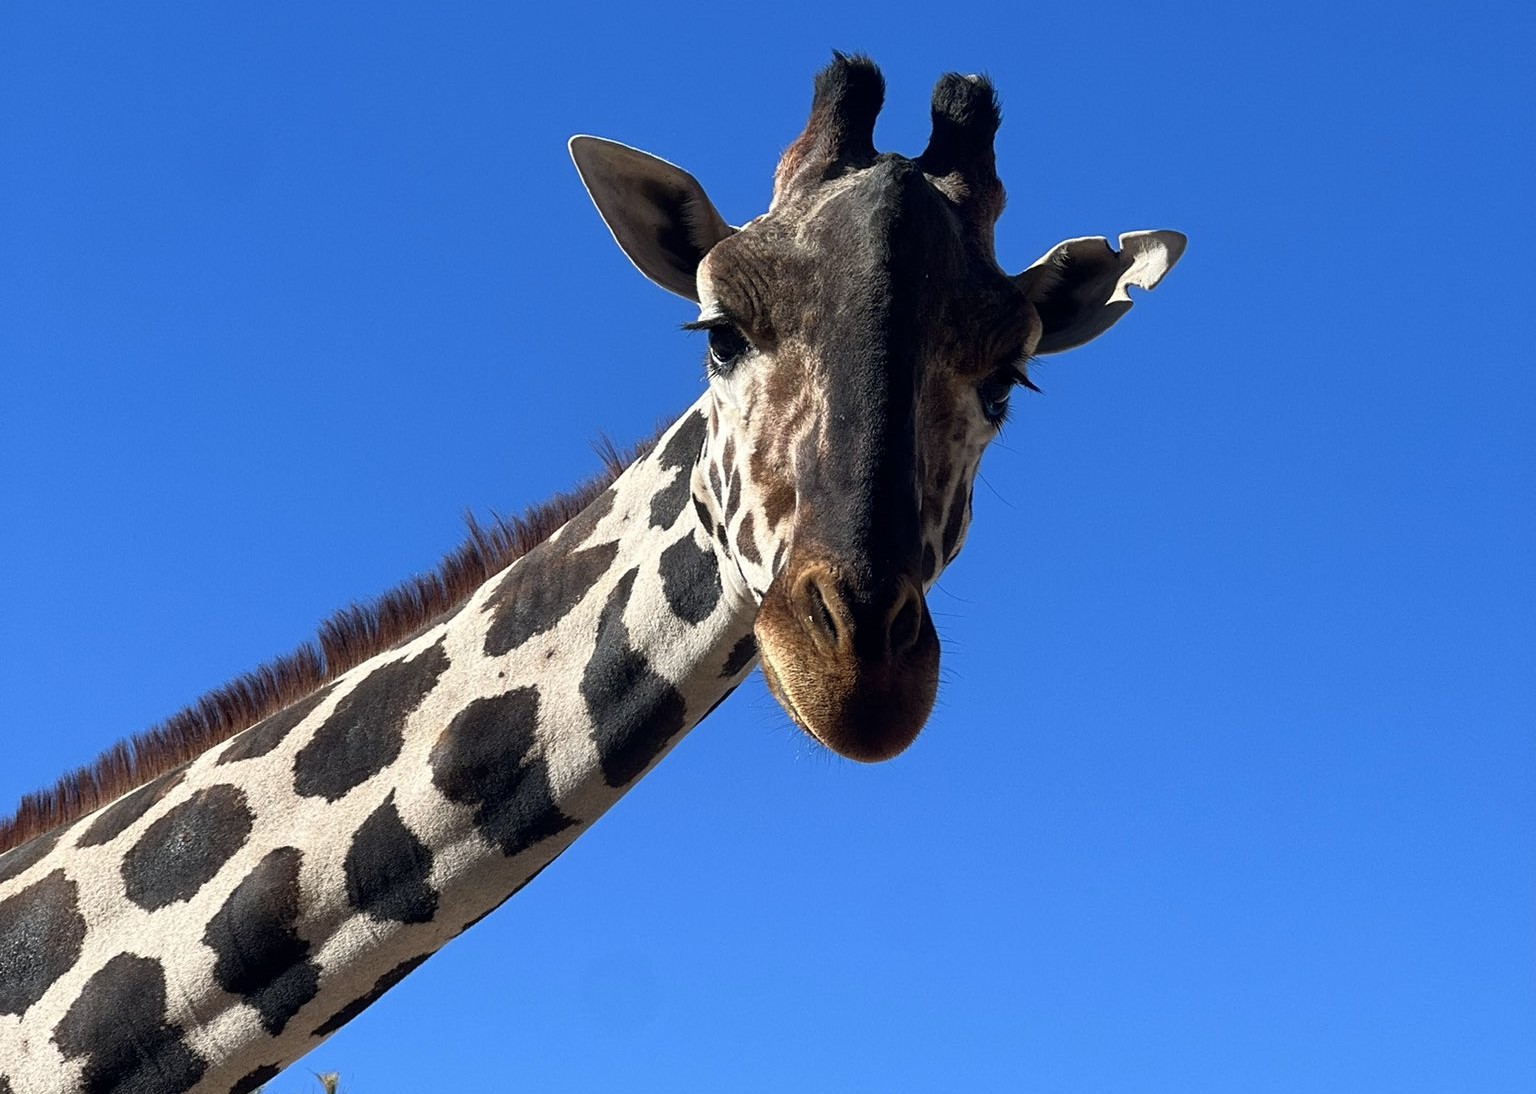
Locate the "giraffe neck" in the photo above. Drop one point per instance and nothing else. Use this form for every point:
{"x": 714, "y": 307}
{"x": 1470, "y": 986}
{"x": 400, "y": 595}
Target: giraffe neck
{"x": 209, "y": 928}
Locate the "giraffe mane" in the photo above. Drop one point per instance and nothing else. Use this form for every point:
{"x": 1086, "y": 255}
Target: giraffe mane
{"x": 345, "y": 640}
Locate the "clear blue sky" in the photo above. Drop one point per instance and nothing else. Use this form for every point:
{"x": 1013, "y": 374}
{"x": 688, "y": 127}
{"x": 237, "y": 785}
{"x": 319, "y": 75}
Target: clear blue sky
{"x": 1231, "y": 782}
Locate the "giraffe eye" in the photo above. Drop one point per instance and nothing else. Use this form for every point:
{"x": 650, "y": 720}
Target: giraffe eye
{"x": 727, "y": 346}
{"x": 994, "y": 392}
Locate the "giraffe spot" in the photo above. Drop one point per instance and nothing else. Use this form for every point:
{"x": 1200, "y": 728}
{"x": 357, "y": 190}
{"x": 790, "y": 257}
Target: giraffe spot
{"x": 258, "y": 954}
{"x": 733, "y": 494}
{"x": 954, "y": 522}
{"x": 778, "y": 503}
{"x": 580, "y": 527}
{"x": 387, "y": 868}
{"x": 681, "y": 451}
{"x": 120, "y": 1027}
{"x": 705, "y": 520}
{"x": 635, "y": 712}
{"x": 690, "y": 578}
{"x": 741, "y": 655}
{"x": 540, "y": 590}
{"x": 41, "y": 931}
{"x": 368, "y": 998}
{"x": 115, "y": 818}
{"x": 746, "y": 540}
{"x": 178, "y": 854}
{"x": 256, "y": 1079}
{"x": 266, "y": 734}
{"x": 24, "y": 856}
{"x": 366, "y": 731}
{"x": 489, "y": 758}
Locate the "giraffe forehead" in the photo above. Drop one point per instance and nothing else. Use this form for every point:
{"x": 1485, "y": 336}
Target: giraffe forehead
{"x": 873, "y": 261}
{"x": 858, "y": 234}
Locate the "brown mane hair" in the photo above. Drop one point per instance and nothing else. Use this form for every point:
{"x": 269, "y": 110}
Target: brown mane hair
{"x": 345, "y": 640}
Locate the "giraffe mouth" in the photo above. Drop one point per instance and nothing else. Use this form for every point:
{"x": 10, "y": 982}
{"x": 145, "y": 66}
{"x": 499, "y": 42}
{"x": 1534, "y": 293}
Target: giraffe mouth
{"x": 782, "y": 696}
{"x": 865, "y": 700}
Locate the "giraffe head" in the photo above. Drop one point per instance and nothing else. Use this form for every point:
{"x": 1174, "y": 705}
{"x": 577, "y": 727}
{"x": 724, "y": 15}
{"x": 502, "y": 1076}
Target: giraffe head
{"x": 863, "y": 343}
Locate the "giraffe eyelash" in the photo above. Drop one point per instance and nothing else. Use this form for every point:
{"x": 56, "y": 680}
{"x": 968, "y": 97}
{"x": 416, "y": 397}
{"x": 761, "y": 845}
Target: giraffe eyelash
{"x": 711, "y": 322}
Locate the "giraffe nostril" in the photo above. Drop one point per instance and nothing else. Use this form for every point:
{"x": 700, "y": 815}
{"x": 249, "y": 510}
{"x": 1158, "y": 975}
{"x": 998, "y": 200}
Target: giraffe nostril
{"x": 906, "y": 625}
{"x": 818, "y": 614}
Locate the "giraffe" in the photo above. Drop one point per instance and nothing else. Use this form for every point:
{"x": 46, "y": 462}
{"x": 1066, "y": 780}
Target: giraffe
{"x": 209, "y": 904}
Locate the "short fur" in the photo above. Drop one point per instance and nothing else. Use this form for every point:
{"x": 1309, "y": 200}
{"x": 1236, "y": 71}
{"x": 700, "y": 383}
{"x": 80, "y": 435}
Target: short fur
{"x": 345, "y": 640}
{"x": 841, "y": 130}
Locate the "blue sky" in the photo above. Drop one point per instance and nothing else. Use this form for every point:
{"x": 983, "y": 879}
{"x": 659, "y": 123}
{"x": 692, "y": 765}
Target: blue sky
{"x": 1230, "y": 783}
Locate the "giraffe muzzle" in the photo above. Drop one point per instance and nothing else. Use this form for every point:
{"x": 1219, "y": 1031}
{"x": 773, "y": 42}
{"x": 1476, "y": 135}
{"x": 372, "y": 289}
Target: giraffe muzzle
{"x": 855, "y": 663}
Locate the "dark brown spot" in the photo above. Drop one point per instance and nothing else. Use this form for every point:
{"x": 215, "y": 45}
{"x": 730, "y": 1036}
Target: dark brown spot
{"x": 366, "y": 731}
{"x": 41, "y": 932}
{"x": 581, "y": 527}
{"x": 541, "y": 590}
{"x": 690, "y": 580}
{"x": 387, "y": 868}
{"x": 741, "y": 655}
{"x": 706, "y": 521}
{"x": 733, "y": 494}
{"x": 635, "y": 711}
{"x": 182, "y": 851}
{"x": 116, "y": 818}
{"x": 681, "y": 451}
{"x": 259, "y": 954}
{"x": 746, "y": 541}
{"x": 954, "y": 523}
{"x": 120, "y": 1027}
{"x": 27, "y": 855}
{"x": 256, "y": 1079}
{"x": 265, "y": 735}
{"x": 489, "y": 758}
{"x": 778, "y": 503}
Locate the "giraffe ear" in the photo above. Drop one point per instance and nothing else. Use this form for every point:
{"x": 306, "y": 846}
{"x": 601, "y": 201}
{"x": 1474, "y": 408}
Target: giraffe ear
{"x": 658, "y": 213}
{"x": 1079, "y": 286}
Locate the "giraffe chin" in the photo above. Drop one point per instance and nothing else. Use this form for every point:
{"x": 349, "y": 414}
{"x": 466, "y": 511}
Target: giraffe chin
{"x": 863, "y": 708}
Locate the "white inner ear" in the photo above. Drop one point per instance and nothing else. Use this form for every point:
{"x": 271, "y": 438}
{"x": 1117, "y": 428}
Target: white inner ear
{"x": 1147, "y": 257}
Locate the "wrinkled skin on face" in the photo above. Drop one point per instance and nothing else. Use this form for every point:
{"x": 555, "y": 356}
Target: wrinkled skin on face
{"x": 862, "y": 346}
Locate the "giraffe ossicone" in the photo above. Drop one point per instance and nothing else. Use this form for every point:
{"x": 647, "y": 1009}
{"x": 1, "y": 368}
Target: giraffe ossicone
{"x": 214, "y": 910}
